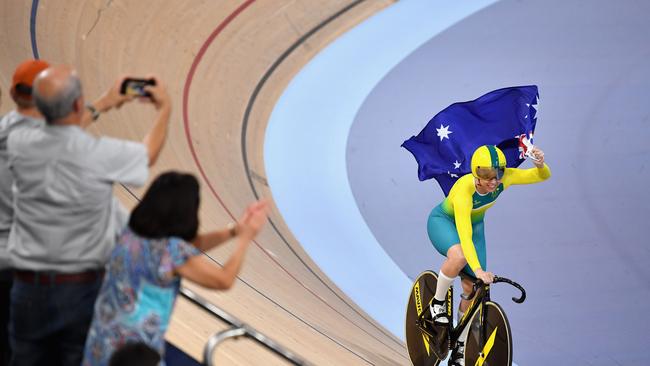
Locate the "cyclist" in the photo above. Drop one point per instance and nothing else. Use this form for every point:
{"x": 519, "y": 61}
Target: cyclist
{"x": 455, "y": 227}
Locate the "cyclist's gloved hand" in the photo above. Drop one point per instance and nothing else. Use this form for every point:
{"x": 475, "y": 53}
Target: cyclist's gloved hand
{"x": 486, "y": 277}
{"x": 538, "y": 156}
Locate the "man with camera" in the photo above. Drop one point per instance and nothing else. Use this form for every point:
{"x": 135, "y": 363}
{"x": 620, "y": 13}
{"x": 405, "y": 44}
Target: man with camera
{"x": 66, "y": 217}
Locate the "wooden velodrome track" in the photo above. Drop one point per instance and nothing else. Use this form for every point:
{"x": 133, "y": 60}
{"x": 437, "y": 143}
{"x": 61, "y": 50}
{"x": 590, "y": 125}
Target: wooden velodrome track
{"x": 225, "y": 64}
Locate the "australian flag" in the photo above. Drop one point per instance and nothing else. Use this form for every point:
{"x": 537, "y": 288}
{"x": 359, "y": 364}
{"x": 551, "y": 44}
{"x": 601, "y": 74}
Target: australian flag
{"x": 504, "y": 117}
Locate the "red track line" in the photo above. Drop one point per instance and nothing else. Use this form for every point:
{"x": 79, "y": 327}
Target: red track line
{"x": 186, "y": 93}
{"x": 186, "y": 90}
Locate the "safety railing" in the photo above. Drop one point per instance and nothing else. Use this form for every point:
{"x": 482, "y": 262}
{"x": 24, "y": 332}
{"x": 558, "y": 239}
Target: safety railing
{"x": 237, "y": 329}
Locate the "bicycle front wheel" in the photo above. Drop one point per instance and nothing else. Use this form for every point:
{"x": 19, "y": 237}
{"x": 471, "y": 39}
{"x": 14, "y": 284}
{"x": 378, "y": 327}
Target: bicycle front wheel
{"x": 490, "y": 344}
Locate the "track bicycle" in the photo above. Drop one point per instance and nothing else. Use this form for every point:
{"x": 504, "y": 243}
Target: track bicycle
{"x": 489, "y": 341}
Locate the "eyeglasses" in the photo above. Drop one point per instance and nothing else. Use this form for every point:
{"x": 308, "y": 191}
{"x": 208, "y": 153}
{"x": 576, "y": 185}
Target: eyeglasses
{"x": 490, "y": 173}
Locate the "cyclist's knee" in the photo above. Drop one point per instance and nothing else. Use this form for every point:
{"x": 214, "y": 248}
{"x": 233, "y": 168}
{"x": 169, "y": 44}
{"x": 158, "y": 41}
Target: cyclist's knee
{"x": 455, "y": 254}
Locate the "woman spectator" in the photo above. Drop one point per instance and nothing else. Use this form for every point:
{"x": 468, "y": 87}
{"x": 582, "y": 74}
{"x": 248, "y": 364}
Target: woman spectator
{"x": 159, "y": 246}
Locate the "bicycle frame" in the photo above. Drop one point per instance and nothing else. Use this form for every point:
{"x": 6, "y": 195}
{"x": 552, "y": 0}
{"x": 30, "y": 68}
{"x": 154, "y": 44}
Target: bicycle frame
{"x": 478, "y": 298}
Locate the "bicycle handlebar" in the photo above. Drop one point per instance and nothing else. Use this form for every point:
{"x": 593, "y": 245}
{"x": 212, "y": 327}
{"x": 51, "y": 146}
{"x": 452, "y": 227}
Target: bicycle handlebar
{"x": 478, "y": 284}
{"x": 519, "y": 299}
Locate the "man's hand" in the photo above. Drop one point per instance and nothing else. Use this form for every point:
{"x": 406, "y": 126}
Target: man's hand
{"x": 159, "y": 96}
{"x": 112, "y": 97}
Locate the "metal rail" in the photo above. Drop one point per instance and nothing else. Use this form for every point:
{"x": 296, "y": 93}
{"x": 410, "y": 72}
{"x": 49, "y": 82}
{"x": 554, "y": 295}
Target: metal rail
{"x": 238, "y": 329}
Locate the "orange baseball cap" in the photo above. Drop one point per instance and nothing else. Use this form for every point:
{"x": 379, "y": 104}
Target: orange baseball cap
{"x": 24, "y": 76}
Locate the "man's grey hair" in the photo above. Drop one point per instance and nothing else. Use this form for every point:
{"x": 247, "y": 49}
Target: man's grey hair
{"x": 59, "y": 105}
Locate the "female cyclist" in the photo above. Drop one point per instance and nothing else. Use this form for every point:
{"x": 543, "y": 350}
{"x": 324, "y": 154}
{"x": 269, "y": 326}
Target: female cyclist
{"x": 455, "y": 226}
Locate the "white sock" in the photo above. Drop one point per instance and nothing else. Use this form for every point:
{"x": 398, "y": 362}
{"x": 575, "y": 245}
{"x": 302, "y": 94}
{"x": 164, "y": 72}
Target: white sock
{"x": 443, "y": 285}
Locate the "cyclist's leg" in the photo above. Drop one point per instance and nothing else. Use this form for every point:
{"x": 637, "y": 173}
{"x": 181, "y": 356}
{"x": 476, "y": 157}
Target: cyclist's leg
{"x": 467, "y": 285}
{"x": 444, "y": 237}
{"x": 446, "y": 276}
{"x": 449, "y": 270}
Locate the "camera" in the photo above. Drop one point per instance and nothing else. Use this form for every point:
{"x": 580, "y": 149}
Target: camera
{"x": 135, "y": 87}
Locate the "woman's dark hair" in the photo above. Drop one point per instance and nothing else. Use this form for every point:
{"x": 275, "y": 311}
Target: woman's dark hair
{"x": 169, "y": 208}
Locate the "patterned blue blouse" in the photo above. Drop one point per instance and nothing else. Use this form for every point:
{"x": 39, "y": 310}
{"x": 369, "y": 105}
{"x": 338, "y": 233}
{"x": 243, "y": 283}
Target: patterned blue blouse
{"x": 137, "y": 296}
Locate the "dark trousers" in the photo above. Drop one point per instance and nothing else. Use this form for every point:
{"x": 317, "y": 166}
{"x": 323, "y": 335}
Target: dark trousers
{"x": 6, "y": 276}
{"x": 49, "y": 321}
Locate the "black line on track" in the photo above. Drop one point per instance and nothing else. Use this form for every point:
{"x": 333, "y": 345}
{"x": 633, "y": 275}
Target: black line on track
{"x": 249, "y": 108}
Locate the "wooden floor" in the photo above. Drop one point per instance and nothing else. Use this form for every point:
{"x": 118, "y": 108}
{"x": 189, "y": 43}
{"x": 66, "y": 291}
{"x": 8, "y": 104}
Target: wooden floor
{"x": 225, "y": 63}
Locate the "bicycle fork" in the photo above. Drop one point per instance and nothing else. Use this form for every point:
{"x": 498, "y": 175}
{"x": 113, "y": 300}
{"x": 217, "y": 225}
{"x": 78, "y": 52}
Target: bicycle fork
{"x": 486, "y": 341}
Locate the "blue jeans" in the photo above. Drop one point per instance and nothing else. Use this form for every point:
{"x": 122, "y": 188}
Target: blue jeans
{"x": 49, "y": 322}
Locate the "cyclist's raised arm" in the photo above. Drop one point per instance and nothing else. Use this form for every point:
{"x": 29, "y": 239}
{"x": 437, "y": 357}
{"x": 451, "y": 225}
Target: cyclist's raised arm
{"x": 526, "y": 176}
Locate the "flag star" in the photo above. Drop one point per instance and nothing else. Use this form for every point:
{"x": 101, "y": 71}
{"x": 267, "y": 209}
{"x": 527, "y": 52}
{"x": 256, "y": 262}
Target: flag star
{"x": 453, "y": 175}
{"x": 443, "y": 132}
{"x": 456, "y": 164}
{"x": 536, "y": 106}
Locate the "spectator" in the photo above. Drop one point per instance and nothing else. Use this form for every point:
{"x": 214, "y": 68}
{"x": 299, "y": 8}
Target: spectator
{"x": 65, "y": 214}
{"x": 159, "y": 247}
{"x": 26, "y": 115}
{"x": 135, "y": 354}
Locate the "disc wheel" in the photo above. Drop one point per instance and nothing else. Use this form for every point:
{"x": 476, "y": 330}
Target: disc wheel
{"x": 494, "y": 346}
{"x": 417, "y": 342}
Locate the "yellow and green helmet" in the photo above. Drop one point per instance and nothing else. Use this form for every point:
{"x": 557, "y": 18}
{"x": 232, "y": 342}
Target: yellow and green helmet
{"x": 488, "y": 162}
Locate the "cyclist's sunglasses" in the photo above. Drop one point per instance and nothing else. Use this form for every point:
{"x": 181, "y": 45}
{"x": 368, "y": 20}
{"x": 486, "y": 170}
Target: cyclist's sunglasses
{"x": 490, "y": 173}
